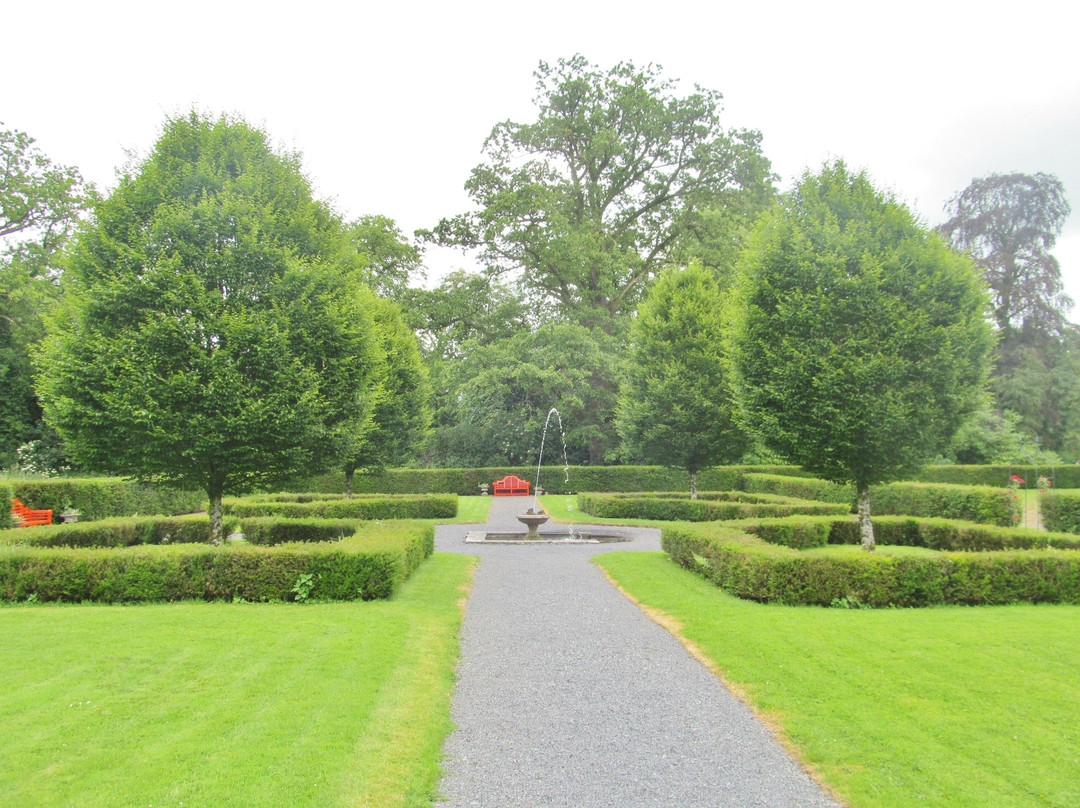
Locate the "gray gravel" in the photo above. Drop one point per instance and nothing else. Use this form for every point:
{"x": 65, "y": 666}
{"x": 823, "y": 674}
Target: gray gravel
{"x": 569, "y": 696}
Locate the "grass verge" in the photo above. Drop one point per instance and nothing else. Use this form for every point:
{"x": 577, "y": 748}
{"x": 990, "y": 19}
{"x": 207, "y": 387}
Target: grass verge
{"x": 471, "y": 510}
{"x": 246, "y": 705}
{"x": 952, "y": 707}
{"x": 562, "y": 508}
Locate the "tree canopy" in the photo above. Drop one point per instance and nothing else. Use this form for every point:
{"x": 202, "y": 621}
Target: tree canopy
{"x": 401, "y": 394}
{"x": 617, "y": 175}
{"x": 860, "y": 340}
{"x": 212, "y": 333}
{"x": 1009, "y": 223}
{"x": 40, "y": 204}
{"x": 675, "y": 401}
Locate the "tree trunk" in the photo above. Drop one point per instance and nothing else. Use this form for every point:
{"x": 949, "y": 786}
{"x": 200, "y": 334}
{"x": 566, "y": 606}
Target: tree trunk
{"x": 348, "y": 482}
{"x": 693, "y": 485}
{"x": 217, "y": 530}
{"x": 866, "y": 529}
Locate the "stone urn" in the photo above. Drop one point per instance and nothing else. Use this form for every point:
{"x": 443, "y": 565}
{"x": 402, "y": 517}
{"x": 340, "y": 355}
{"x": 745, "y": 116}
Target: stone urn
{"x": 532, "y": 521}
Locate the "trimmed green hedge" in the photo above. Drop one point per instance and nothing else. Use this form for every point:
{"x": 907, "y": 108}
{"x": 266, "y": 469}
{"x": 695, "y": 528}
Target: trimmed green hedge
{"x": 983, "y": 504}
{"x": 749, "y": 568}
{"x": 971, "y": 503}
{"x": 710, "y": 506}
{"x": 430, "y": 506}
{"x": 803, "y": 532}
{"x": 799, "y": 488}
{"x": 1067, "y": 476}
{"x": 372, "y": 563}
{"x": 1061, "y": 510}
{"x": 267, "y": 530}
{"x": 114, "y": 532}
{"x": 553, "y": 479}
{"x": 103, "y": 497}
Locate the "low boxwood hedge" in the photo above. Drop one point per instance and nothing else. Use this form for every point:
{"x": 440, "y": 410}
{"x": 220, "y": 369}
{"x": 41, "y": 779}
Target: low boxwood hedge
{"x": 936, "y": 534}
{"x": 372, "y": 563}
{"x": 115, "y": 532}
{"x": 103, "y": 497}
{"x": 1061, "y": 510}
{"x": 268, "y": 530}
{"x": 747, "y": 566}
{"x": 710, "y": 506}
{"x": 422, "y": 506}
{"x": 1061, "y": 476}
{"x": 983, "y": 504}
{"x": 553, "y": 479}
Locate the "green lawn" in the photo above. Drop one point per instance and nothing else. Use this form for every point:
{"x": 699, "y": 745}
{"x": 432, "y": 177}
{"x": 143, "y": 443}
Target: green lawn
{"x": 563, "y": 508}
{"x": 949, "y": 706}
{"x": 471, "y": 510}
{"x": 194, "y": 704}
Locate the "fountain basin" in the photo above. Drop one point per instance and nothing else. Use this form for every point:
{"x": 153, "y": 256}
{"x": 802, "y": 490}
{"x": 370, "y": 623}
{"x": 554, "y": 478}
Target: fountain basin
{"x": 577, "y": 537}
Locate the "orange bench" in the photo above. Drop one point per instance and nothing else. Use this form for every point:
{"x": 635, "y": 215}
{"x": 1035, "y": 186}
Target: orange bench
{"x": 510, "y": 486}
{"x": 28, "y": 516}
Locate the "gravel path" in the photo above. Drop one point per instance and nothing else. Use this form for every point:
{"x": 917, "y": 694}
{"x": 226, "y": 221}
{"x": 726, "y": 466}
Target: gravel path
{"x": 569, "y": 696}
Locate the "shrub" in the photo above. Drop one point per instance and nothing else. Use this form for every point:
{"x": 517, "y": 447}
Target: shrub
{"x": 269, "y": 530}
{"x": 429, "y": 506}
{"x": 553, "y": 479}
{"x": 104, "y": 497}
{"x": 1061, "y": 476}
{"x": 371, "y": 563}
{"x": 800, "y": 488}
{"x": 1061, "y": 510}
{"x": 749, "y": 568}
{"x": 113, "y": 532}
{"x": 710, "y": 506}
{"x": 983, "y": 504}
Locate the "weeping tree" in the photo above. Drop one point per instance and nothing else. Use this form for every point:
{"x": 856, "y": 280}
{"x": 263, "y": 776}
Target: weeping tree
{"x": 675, "y": 403}
{"x": 212, "y": 332}
{"x": 859, "y": 339}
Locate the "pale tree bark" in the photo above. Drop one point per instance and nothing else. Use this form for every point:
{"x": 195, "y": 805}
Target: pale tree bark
{"x": 866, "y": 529}
{"x": 348, "y": 482}
{"x": 217, "y": 531}
{"x": 693, "y": 485}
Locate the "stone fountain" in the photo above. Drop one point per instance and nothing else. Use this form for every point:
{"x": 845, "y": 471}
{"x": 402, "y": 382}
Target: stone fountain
{"x": 532, "y": 520}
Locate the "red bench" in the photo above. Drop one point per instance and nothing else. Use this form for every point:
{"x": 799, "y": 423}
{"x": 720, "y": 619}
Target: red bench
{"x": 28, "y": 516}
{"x": 510, "y": 486}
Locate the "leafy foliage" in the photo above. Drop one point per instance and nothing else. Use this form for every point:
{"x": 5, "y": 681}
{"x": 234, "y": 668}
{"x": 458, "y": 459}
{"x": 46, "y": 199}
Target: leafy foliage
{"x": 498, "y": 397}
{"x": 1009, "y": 224}
{"x": 213, "y": 334}
{"x": 40, "y": 204}
{"x": 860, "y": 340}
{"x": 584, "y": 205}
{"x": 400, "y": 391}
{"x": 675, "y": 402}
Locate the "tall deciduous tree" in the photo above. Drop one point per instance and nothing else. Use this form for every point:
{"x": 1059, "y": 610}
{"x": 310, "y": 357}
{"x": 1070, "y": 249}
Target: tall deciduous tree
{"x": 40, "y": 203}
{"x": 390, "y": 259}
{"x": 587, "y": 203}
{"x": 859, "y": 339}
{"x": 675, "y": 402}
{"x": 401, "y": 393}
{"x": 1009, "y": 224}
{"x": 501, "y": 393}
{"x": 212, "y": 334}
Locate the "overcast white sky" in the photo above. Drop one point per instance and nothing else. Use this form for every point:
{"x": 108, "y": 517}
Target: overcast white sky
{"x": 389, "y": 104}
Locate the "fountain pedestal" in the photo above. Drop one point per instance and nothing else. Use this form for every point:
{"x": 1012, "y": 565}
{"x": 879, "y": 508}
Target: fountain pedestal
{"x": 532, "y": 521}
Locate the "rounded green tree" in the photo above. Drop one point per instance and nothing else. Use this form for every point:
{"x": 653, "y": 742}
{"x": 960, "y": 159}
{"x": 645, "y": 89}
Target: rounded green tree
{"x": 211, "y": 333}
{"x": 675, "y": 404}
{"x": 859, "y": 340}
{"x": 401, "y": 394}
